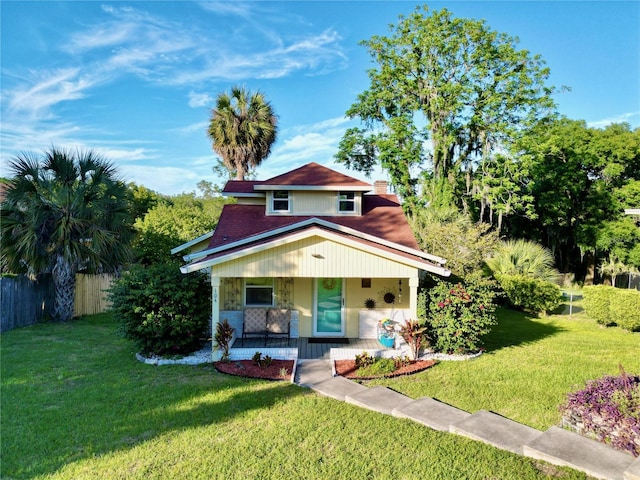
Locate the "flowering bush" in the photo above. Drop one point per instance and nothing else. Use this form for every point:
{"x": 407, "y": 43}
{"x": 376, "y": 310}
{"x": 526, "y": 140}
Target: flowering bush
{"x": 457, "y": 315}
{"x": 607, "y": 409}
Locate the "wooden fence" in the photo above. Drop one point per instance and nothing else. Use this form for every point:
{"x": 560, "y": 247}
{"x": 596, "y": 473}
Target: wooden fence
{"x": 90, "y": 294}
{"x": 24, "y": 302}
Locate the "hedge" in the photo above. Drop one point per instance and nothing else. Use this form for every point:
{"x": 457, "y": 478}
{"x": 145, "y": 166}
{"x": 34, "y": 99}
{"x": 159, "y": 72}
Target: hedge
{"x": 625, "y": 309}
{"x": 530, "y": 294}
{"x": 613, "y": 306}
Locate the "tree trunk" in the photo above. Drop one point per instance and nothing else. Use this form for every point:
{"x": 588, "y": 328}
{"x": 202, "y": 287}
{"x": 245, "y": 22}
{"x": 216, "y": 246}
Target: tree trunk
{"x": 64, "y": 281}
{"x": 590, "y": 264}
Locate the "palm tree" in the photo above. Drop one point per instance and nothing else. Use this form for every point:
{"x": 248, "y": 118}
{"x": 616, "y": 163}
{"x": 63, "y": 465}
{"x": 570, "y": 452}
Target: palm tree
{"x": 612, "y": 267}
{"x": 523, "y": 257}
{"x": 63, "y": 213}
{"x": 242, "y": 129}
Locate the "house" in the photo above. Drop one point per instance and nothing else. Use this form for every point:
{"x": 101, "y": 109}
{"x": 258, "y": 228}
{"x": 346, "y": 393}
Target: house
{"x": 318, "y": 243}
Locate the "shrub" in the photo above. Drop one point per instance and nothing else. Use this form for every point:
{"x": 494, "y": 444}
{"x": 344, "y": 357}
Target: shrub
{"x": 625, "y": 309}
{"x": 530, "y": 294}
{"x": 607, "y": 409}
{"x": 364, "y": 360}
{"x": 261, "y": 361}
{"x": 596, "y": 303}
{"x": 223, "y": 336}
{"x": 458, "y": 316}
{"x": 162, "y": 310}
{"x": 613, "y": 306}
{"x": 414, "y": 333}
{"x": 523, "y": 257}
{"x": 380, "y": 366}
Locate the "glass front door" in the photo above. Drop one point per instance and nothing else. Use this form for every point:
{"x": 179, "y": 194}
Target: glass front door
{"x": 329, "y": 319}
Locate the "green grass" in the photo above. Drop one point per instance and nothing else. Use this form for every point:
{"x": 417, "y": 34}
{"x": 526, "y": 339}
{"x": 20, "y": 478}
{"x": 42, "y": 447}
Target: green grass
{"x": 529, "y": 367}
{"x": 76, "y": 404}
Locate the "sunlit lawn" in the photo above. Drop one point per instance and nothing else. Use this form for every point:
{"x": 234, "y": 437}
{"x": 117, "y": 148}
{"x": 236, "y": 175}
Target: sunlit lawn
{"x": 76, "y": 404}
{"x": 529, "y": 367}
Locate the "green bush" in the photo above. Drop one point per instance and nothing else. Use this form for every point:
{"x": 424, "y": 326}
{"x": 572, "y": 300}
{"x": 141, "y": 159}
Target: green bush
{"x": 459, "y": 315}
{"x": 380, "y": 366}
{"x": 162, "y": 310}
{"x": 625, "y": 309}
{"x": 596, "y": 301}
{"x": 613, "y": 306}
{"x": 530, "y": 294}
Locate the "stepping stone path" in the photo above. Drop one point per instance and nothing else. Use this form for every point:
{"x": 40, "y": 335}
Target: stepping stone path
{"x": 557, "y": 446}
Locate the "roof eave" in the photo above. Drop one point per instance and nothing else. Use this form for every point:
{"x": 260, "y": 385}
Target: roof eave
{"x": 419, "y": 263}
{"x": 326, "y": 188}
{"x": 191, "y": 243}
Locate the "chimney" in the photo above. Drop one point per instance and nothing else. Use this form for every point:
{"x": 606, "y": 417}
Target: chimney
{"x": 380, "y": 187}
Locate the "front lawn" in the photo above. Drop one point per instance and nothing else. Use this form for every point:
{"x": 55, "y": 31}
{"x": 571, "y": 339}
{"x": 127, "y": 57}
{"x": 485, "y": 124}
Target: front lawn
{"x": 529, "y": 367}
{"x": 76, "y": 404}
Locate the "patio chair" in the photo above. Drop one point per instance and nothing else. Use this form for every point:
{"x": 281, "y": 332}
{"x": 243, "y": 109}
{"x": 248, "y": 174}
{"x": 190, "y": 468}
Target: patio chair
{"x": 279, "y": 323}
{"x": 254, "y": 324}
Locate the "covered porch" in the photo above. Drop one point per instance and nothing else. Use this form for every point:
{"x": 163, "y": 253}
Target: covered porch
{"x": 333, "y": 283}
{"x": 306, "y": 348}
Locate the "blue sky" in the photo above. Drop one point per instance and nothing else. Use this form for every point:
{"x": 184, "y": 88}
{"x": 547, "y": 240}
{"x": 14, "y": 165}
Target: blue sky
{"x": 137, "y": 80}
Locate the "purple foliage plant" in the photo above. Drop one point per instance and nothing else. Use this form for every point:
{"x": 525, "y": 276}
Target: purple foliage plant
{"x": 607, "y": 409}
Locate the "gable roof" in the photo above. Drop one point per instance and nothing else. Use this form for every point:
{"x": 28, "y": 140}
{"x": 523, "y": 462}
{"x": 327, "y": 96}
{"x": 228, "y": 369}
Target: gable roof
{"x": 245, "y": 228}
{"x": 382, "y": 217}
{"x": 241, "y": 188}
{"x": 382, "y": 226}
{"x": 319, "y": 228}
{"x": 313, "y": 176}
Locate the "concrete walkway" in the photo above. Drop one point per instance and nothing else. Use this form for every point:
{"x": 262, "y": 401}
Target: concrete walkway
{"x": 556, "y": 446}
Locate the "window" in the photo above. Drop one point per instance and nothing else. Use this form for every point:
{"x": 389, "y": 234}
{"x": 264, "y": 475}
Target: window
{"x": 258, "y": 292}
{"x": 346, "y": 202}
{"x": 280, "y": 201}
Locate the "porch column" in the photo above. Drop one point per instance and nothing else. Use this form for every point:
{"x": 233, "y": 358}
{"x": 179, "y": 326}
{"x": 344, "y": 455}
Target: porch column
{"x": 215, "y": 313}
{"x": 413, "y": 297}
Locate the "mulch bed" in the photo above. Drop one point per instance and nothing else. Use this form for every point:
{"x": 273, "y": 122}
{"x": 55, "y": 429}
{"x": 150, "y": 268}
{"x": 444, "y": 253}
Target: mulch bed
{"x": 348, "y": 369}
{"x": 247, "y": 368}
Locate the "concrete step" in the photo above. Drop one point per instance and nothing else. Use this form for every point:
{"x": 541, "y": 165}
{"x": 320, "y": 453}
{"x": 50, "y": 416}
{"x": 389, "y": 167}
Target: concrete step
{"x": 338, "y": 388}
{"x": 496, "y": 430}
{"x": 568, "y": 449}
{"x": 310, "y": 372}
{"x": 431, "y": 413}
{"x": 633, "y": 471}
{"x": 379, "y": 399}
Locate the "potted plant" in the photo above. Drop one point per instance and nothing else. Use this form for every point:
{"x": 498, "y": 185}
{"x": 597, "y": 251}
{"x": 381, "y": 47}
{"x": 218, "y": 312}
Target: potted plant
{"x": 386, "y": 333}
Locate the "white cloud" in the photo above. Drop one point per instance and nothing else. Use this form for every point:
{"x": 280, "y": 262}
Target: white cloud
{"x": 199, "y": 99}
{"x": 47, "y": 89}
{"x": 165, "y": 180}
{"x": 633, "y": 118}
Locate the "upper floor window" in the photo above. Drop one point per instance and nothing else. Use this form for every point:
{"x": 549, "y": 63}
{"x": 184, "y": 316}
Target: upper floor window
{"x": 347, "y": 202}
{"x": 281, "y": 201}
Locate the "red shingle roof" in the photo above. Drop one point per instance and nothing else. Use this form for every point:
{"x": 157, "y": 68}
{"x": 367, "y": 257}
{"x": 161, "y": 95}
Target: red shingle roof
{"x": 382, "y": 217}
{"x": 316, "y": 175}
{"x": 240, "y": 186}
